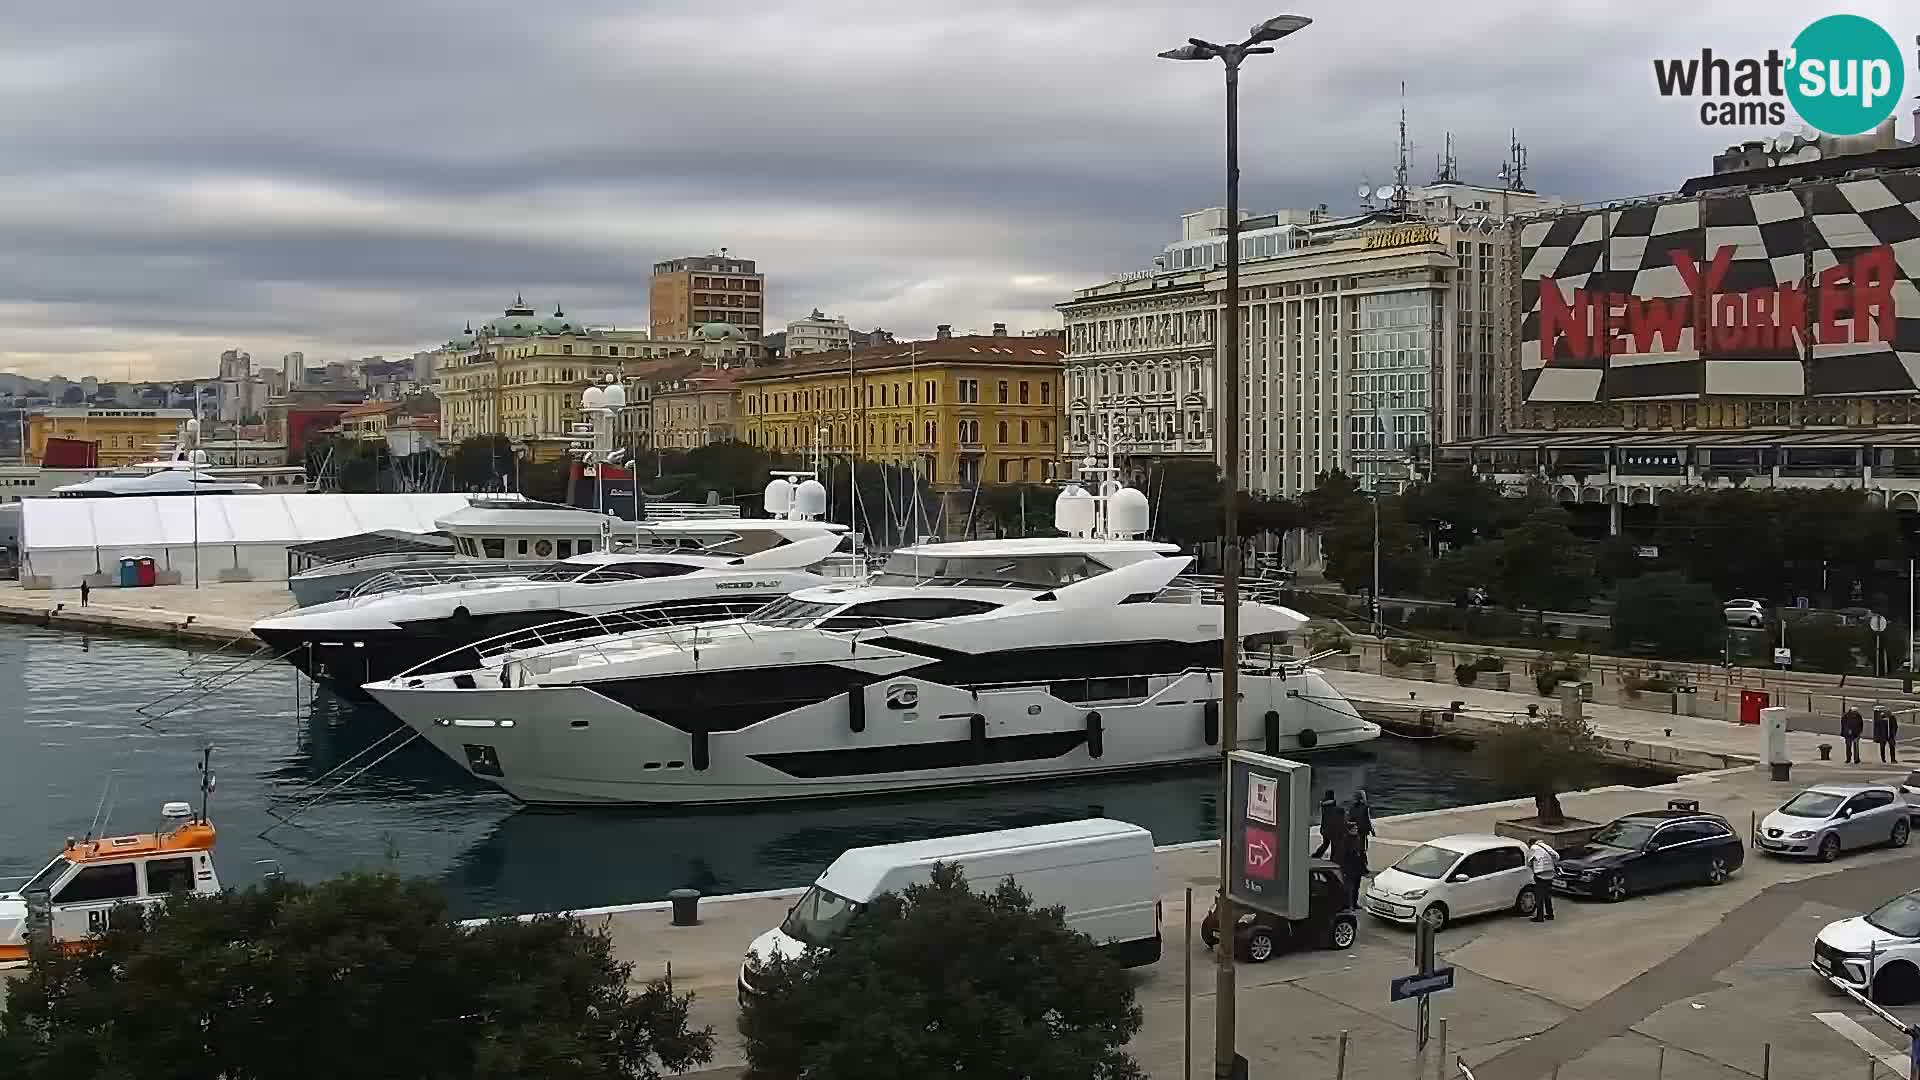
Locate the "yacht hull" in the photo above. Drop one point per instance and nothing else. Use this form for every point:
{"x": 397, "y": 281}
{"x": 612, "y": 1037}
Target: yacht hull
{"x": 578, "y": 746}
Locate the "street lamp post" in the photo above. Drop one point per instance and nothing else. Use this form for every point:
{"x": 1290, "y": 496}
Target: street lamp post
{"x": 1231, "y": 56}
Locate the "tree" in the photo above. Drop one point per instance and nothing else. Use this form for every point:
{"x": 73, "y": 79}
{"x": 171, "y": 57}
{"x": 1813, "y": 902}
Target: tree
{"x": 360, "y": 976}
{"x": 1824, "y": 643}
{"x": 1543, "y": 565}
{"x": 1347, "y": 545}
{"x": 1679, "y": 619}
{"x": 945, "y": 982}
{"x": 482, "y": 463}
{"x": 1543, "y": 757}
{"x": 1334, "y": 494}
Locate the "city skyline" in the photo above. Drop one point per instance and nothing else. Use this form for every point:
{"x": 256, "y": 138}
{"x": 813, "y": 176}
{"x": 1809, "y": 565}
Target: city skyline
{"x": 365, "y": 194}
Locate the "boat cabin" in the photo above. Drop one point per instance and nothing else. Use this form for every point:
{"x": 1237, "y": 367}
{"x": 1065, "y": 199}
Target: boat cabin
{"x": 76, "y": 894}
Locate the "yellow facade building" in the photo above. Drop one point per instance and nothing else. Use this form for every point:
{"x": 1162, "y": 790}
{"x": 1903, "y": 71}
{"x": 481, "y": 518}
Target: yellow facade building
{"x": 695, "y": 408}
{"x": 965, "y": 410}
{"x": 124, "y": 436}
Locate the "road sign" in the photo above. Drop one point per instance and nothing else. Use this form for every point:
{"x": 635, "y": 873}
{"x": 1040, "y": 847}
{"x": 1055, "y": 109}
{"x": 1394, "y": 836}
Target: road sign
{"x": 1418, "y": 985}
{"x": 1268, "y": 811}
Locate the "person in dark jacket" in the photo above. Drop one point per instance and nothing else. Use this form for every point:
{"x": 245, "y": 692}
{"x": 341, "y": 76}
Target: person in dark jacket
{"x": 1351, "y": 853}
{"x": 1333, "y": 821}
{"x": 1360, "y": 814}
{"x": 1884, "y": 731}
{"x": 1850, "y": 728}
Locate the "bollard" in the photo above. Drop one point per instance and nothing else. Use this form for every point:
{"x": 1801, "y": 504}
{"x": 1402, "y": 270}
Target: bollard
{"x": 1186, "y": 967}
{"x": 1766, "y": 1061}
{"x": 1340, "y": 1064}
{"x": 1440, "y": 1065}
{"x": 686, "y": 906}
{"x": 1660, "y": 1064}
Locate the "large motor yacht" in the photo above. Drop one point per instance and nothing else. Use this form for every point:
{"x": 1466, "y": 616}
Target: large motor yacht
{"x": 959, "y": 664}
{"x": 678, "y": 572}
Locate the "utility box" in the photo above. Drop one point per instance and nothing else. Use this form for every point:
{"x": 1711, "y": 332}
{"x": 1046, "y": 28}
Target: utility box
{"x": 1773, "y": 742}
{"x": 1751, "y": 702}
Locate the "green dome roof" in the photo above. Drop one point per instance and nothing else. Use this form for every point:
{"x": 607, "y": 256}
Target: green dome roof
{"x": 718, "y": 331}
{"x": 558, "y": 323}
{"x": 517, "y": 321}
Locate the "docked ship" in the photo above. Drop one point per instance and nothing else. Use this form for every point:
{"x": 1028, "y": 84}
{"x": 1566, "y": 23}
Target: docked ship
{"x": 959, "y": 664}
{"x": 676, "y": 572}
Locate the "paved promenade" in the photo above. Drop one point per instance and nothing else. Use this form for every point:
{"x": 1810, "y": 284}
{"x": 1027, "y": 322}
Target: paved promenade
{"x": 217, "y": 612}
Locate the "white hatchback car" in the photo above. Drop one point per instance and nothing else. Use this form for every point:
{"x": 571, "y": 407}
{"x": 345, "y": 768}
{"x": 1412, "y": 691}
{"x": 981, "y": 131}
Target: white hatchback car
{"x": 1748, "y": 613}
{"x": 1454, "y": 876}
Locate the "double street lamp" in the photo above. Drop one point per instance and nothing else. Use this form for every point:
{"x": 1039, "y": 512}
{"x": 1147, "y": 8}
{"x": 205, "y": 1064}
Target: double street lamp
{"x": 1257, "y": 42}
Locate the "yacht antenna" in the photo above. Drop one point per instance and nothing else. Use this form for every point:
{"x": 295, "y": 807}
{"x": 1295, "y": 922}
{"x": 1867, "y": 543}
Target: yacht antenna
{"x": 100, "y": 807}
{"x": 206, "y": 780}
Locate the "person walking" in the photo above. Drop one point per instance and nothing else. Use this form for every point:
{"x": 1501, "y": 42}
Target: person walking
{"x": 1360, "y": 814}
{"x": 85, "y": 591}
{"x": 1545, "y": 863}
{"x": 1893, "y": 735}
{"x": 1883, "y": 731}
{"x": 1351, "y": 853}
{"x": 1851, "y": 726}
{"x": 1333, "y": 822}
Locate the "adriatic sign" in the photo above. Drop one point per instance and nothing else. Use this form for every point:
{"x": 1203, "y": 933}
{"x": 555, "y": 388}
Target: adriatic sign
{"x": 1402, "y": 235}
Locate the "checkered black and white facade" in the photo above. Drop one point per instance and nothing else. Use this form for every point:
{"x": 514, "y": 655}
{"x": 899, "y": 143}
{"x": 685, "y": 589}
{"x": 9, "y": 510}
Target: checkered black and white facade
{"x": 1776, "y": 256}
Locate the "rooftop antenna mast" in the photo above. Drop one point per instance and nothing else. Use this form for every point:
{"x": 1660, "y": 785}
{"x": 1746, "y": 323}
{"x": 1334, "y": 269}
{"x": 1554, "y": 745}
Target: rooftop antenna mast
{"x": 1446, "y": 168}
{"x": 1400, "y": 168}
{"x": 1514, "y": 172}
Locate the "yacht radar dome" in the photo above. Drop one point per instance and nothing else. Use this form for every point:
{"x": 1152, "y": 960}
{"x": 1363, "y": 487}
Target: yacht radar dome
{"x": 810, "y": 501}
{"x": 176, "y": 810}
{"x": 614, "y": 396}
{"x": 592, "y": 398}
{"x": 778, "y": 498}
{"x": 1127, "y": 512}
{"x": 1073, "y": 511}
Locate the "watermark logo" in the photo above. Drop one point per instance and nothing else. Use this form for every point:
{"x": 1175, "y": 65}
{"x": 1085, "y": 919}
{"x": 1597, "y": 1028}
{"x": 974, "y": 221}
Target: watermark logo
{"x": 1843, "y": 75}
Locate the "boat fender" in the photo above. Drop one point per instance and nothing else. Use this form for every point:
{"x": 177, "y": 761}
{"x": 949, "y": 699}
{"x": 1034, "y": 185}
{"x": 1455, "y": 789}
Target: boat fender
{"x": 1096, "y": 740}
{"x": 977, "y": 732}
{"x": 1308, "y": 738}
{"x": 699, "y": 754}
{"x": 1273, "y": 732}
{"x": 1210, "y": 720}
{"x": 857, "y": 708}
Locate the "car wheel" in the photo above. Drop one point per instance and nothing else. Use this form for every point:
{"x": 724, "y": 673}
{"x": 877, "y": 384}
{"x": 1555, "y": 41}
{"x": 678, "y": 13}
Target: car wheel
{"x": 1260, "y": 945}
{"x": 1616, "y": 886}
{"x": 1344, "y": 932}
{"x": 1901, "y": 831}
{"x": 1435, "y": 916}
{"x": 1829, "y": 847}
{"x": 1717, "y": 871}
{"x": 1528, "y": 901}
{"x": 1897, "y": 983}
{"x": 1754, "y": 622}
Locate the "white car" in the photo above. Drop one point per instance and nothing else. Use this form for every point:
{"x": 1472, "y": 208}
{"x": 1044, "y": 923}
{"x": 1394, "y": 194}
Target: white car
{"x": 1823, "y": 821}
{"x": 1751, "y": 613}
{"x": 1877, "y": 954}
{"x": 1454, "y": 876}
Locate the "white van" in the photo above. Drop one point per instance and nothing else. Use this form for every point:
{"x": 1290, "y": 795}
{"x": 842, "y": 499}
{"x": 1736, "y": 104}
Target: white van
{"x": 1099, "y": 870}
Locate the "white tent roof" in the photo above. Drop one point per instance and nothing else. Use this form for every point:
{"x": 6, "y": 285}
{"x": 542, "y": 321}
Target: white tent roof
{"x": 135, "y": 521}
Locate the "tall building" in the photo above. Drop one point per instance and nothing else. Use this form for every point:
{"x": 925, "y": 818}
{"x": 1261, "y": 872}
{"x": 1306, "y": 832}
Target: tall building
{"x": 236, "y": 386}
{"x": 1364, "y": 339}
{"x": 964, "y": 410}
{"x": 817, "y": 334}
{"x": 702, "y": 289}
{"x": 294, "y": 367}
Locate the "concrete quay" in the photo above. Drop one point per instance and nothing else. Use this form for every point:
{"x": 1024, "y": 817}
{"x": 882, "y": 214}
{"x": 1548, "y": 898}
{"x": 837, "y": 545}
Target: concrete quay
{"x": 1597, "y": 992}
{"x": 216, "y": 612}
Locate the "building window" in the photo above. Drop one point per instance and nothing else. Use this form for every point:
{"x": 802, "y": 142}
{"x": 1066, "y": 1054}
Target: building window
{"x": 969, "y": 392}
{"x": 1046, "y": 393}
{"x": 1025, "y": 392}
{"x": 932, "y": 430}
{"x": 933, "y": 399}
{"x": 1002, "y": 389}
{"x": 1003, "y": 431}
{"x": 1003, "y": 470}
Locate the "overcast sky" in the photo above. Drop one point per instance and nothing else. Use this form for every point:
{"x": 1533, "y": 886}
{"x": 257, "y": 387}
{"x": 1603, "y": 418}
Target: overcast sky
{"x": 356, "y": 177}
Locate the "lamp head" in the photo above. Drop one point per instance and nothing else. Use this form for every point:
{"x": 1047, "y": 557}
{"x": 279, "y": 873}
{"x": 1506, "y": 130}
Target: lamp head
{"x": 1276, "y": 28}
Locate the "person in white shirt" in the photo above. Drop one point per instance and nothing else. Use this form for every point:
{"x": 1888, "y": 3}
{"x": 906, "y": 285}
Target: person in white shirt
{"x": 1545, "y": 863}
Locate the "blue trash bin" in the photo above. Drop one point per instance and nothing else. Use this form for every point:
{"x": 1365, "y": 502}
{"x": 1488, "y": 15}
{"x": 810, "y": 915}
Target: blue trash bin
{"x": 129, "y": 573}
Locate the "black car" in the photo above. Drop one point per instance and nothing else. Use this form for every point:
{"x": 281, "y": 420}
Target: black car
{"x": 1652, "y": 850}
{"x": 1329, "y": 924}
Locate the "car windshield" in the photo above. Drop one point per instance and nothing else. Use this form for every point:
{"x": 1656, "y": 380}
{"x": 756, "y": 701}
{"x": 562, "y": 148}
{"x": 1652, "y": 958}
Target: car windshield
{"x": 1624, "y": 833}
{"x": 818, "y": 916}
{"x": 1428, "y": 861}
{"x": 1813, "y": 804}
{"x": 1899, "y": 916}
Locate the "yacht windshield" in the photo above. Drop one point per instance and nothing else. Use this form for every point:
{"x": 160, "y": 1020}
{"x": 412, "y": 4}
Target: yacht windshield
{"x": 818, "y": 916}
{"x": 788, "y": 611}
{"x": 560, "y": 571}
{"x": 1899, "y": 916}
{"x": 1428, "y": 861}
{"x": 1019, "y": 571}
{"x": 45, "y": 878}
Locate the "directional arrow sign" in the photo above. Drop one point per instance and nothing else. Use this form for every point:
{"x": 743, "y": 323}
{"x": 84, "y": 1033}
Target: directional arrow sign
{"x": 1416, "y": 985}
{"x": 1261, "y": 846}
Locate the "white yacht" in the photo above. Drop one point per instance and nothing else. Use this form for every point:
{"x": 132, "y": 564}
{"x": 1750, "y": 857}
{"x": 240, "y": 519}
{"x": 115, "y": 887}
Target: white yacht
{"x": 959, "y": 664}
{"x": 186, "y": 470}
{"x": 673, "y": 572}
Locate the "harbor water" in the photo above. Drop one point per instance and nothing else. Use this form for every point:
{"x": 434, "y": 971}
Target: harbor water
{"x": 73, "y": 745}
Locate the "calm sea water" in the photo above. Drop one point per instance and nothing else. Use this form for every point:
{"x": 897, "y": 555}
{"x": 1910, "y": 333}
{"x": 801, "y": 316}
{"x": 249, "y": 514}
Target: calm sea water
{"x": 69, "y": 731}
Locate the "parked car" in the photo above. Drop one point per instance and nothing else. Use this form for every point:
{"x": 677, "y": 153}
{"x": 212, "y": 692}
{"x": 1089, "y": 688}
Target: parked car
{"x": 1329, "y": 924}
{"x": 1823, "y": 821}
{"x": 1652, "y": 850}
{"x": 1752, "y": 613}
{"x": 1454, "y": 876}
{"x": 1877, "y": 953}
{"x": 1910, "y": 788}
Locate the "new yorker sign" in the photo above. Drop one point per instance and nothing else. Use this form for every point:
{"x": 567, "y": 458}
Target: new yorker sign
{"x": 1402, "y": 235}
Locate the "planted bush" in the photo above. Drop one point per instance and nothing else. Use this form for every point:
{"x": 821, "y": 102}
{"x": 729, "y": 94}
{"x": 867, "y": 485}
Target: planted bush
{"x": 1402, "y": 652}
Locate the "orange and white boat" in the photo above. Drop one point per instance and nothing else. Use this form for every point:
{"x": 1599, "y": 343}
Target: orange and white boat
{"x": 75, "y": 896}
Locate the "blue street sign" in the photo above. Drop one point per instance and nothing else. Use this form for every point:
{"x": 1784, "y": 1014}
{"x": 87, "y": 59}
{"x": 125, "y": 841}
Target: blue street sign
{"x": 1417, "y": 985}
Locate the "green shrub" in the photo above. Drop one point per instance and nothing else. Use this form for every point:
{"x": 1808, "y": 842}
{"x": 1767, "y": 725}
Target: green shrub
{"x": 1465, "y": 673}
{"x": 1402, "y": 652}
{"x": 1328, "y": 637}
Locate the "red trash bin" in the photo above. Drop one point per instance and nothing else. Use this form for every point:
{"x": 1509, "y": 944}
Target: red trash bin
{"x": 148, "y": 573}
{"x": 1751, "y": 702}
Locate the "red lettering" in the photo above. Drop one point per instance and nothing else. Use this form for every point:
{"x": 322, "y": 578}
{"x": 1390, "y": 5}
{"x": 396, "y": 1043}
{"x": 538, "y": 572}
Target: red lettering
{"x": 1617, "y": 343}
{"x": 1729, "y": 329}
{"x": 1557, "y": 317}
{"x": 1833, "y": 304}
{"x": 1655, "y": 320}
{"x": 1792, "y": 316}
{"x": 1761, "y": 333}
{"x": 1873, "y": 291}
